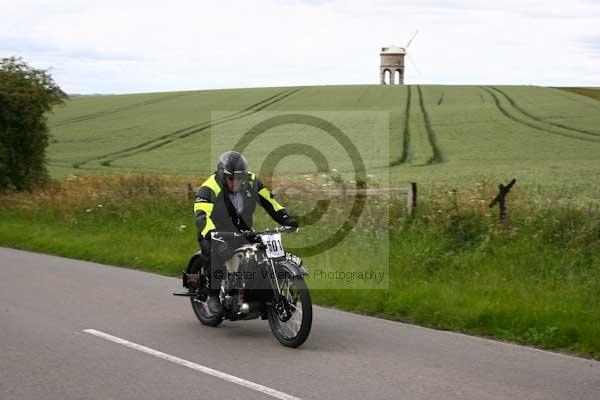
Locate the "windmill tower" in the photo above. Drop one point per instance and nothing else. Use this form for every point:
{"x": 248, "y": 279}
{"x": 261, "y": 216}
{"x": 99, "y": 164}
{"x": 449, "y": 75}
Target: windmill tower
{"x": 392, "y": 64}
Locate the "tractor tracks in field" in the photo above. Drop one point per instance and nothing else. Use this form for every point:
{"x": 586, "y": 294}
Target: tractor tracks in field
{"x": 514, "y": 104}
{"x": 436, "y": 154}
{"x": 405, "y": 133}
{"x": 163, "y": 140}
{"x": 441, "y": 100}
{"x": 128, "y": 107}
{"x": 533, "y": 124}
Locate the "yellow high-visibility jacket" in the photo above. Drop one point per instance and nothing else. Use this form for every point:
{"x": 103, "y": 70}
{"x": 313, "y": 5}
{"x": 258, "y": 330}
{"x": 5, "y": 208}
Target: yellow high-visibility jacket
{"x": 210, "y": 211}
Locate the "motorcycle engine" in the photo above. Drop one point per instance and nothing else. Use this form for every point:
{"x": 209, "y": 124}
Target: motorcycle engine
{"x": 233, "y": 264}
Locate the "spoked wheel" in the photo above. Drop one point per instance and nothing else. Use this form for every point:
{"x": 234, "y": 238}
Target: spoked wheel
{"x": 200, "y": 303}
{"x": 291, "y": 321}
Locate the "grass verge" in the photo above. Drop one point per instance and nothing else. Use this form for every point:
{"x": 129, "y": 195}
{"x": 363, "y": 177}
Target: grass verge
{"x": 534, "y": 279}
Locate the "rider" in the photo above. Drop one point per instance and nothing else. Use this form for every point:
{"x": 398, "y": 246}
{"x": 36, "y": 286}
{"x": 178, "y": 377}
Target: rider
{"x": 226, "y": 202}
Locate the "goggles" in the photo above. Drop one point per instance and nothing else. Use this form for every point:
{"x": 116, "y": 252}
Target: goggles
{"x": 236, "y": 176}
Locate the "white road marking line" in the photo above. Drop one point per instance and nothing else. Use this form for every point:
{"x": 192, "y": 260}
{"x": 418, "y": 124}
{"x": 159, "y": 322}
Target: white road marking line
{"x": 209, "y": 371}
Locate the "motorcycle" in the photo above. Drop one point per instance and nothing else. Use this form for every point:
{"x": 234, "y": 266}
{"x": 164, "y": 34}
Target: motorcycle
{"x": 261, "y": 280}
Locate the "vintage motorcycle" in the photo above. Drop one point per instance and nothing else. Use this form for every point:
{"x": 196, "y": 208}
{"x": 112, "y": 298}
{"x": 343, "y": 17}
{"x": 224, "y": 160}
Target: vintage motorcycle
{"x": 261, "y": 279}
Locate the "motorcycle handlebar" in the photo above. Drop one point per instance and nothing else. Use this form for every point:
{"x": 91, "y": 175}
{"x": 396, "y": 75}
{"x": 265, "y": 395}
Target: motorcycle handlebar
{"x": 247, "y": 234}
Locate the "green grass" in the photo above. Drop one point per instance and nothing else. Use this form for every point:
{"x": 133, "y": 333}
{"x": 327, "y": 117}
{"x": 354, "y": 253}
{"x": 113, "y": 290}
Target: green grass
{"x": 544, "y": 137}
{"x": 533, "y": 280}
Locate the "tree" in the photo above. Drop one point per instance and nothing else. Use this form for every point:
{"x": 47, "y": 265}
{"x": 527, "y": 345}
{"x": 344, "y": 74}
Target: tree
{"x": 26, "y": 94}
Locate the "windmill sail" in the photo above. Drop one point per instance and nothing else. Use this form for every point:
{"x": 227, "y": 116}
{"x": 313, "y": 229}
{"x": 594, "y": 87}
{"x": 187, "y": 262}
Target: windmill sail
{"x": 411, "y": 39}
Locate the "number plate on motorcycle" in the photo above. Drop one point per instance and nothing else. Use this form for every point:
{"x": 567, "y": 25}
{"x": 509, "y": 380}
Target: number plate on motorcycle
{"x": 293, "y": 258}
{"x": 273, "y": 245}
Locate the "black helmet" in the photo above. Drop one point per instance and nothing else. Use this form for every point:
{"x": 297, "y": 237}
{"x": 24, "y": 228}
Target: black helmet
{"x": 234, "y": 164}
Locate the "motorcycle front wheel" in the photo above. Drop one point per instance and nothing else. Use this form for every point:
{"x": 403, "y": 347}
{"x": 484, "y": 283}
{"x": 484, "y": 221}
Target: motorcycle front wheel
{"x": 292, "y": 331}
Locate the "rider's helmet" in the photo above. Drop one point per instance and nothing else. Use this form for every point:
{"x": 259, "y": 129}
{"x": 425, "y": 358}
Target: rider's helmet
{"x": 232, "y": 166}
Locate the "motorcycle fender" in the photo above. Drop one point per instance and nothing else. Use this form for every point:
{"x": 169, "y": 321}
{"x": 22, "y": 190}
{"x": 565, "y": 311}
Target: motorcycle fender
{"x": 197, "y": 255}
{"x": 291, "y": 268}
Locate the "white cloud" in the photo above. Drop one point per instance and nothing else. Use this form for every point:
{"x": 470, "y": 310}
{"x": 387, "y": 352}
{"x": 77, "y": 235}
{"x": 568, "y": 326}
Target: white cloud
{"x": 141, "y": 46}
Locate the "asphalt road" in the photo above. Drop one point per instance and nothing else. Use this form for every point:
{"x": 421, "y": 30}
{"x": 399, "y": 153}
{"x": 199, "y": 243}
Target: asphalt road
{"x": 47, "y": 304}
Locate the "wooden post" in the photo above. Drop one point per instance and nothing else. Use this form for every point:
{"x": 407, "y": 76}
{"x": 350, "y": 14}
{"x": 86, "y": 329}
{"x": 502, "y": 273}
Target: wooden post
{"x": 411, "y": 202}
{"x": 501, "y": 198}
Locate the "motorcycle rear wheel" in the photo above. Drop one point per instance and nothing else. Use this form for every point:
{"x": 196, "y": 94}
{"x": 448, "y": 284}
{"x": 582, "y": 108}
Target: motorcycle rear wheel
{"x": 201, "y": 307}
{"x": 201, "y": 310}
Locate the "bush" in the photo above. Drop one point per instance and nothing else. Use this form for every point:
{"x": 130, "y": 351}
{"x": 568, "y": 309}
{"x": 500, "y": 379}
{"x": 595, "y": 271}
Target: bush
{"x": 26, "y": 94}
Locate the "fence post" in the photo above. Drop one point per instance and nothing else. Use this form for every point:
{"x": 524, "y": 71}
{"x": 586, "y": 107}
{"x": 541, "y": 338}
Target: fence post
{"x": 411, "y": 202}
{"x": 501, "y": 198}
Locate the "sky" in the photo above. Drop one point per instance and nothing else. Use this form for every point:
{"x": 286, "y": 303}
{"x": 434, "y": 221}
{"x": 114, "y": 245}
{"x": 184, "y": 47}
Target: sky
{"x": 131, "y": 46}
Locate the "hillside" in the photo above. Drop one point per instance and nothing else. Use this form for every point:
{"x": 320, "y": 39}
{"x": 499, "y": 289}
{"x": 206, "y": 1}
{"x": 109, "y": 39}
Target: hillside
{"x": 545, "y": 137}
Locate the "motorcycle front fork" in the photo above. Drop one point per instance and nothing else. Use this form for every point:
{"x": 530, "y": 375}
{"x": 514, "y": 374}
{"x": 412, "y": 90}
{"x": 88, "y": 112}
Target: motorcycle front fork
{"x": 280, "y": 301}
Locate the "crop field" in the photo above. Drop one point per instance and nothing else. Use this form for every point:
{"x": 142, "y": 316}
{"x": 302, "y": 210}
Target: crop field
{"x": 547, "y": 138}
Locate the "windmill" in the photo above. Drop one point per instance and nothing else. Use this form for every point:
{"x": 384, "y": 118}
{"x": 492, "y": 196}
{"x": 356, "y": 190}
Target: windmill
{"x": 392, "y": 63}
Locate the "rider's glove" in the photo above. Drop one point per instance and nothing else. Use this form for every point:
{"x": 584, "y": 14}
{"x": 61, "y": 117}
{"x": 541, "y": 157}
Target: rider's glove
{"x": 289, "y": 221}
